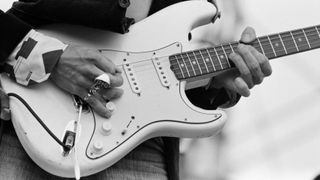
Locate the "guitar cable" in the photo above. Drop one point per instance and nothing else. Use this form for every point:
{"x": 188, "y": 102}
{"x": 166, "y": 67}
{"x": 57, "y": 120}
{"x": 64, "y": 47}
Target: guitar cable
{"x": 38, "y": 119}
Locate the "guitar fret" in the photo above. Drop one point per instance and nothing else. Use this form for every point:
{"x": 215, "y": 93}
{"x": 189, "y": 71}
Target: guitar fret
{"x": 214, "y": 67}
{"x": 267, "y": 47}
{"x": 226, "y": 56}
{"x": 203, "y": 67}
{"x": 295, "y": 43}
{"x": 317, "y": 31}
{"x": 182, "y": 73}
{"x": 278, "y": 46}
{"x": 306, "y": 38}
{"x": 200, "y": 67}
{"x": 195, "y": 63}
{"x": 288, "y": 42}
{"x": 313, "y": 37}
{"x": 203, "y": 59}
{"x": 301, "y": 40}
{"x": 274, "y": 52}
{"x": 184, "y": 62}
{"x": 285, "y": 49}
{"x": 263, "y": 52}
{"x": 231, "y": 48}
{"x": 194, "y": 71}
{"x": 218, "y": 57}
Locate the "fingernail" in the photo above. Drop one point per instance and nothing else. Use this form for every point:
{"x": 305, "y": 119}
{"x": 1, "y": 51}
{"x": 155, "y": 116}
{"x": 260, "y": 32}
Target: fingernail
{"x": 107, "y": 115}
{"x": 111, "y": 106}
{"x": 232, "y": 55}
{"x": 240, "y": 46}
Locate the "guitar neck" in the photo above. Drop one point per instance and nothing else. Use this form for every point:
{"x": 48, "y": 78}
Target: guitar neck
{"x": 211, "y": 60}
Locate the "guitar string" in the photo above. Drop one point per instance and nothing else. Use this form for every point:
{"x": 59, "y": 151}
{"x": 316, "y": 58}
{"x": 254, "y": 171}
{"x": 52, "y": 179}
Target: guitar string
{"x": 267, "y": 42}
{"x": 270, "y": 52}
{"x": 288, "y": 48}
{"x": 277, "y": 50}
{"x": 150, "y": 67}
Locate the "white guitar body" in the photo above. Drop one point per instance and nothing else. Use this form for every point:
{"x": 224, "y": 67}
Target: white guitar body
{"x": 153, "y": 104}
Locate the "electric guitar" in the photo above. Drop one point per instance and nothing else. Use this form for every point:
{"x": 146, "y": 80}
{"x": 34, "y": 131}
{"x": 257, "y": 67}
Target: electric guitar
{"x": 158, "y": 63}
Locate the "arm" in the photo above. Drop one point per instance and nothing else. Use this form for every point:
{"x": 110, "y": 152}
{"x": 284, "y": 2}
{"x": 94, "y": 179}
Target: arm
{"x": 12, "y": 32}
{"x": 104, "y": 14}
{"x": 75, "y": 77}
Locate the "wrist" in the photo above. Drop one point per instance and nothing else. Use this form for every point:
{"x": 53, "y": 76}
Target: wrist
{"x": 34, "y": 58}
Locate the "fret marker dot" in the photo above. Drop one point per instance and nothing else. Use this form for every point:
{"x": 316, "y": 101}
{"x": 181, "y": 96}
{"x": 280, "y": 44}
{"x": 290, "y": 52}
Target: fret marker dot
{"x": 221, "y": 57}
{"x": 299, "y": 39}
{"x": 194, "y": 62}
{"x": 182, "y": 65}
{"x": 277, "y": 44}
{"x": 207, "y": 59}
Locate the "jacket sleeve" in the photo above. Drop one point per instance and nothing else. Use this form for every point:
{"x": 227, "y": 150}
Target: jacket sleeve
{"x": 103, "y": 14}
{"x": 12, "y": 32}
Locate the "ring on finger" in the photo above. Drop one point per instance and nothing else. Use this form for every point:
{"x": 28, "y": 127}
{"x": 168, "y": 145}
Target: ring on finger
{"x": 103, "y": 81}
{"x": 87, "y": 97}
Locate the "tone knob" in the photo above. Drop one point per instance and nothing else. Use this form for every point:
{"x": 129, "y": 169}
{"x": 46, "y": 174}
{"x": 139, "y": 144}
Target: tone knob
{"x": 106, "y": 128}
{"x": 97, "y": 146}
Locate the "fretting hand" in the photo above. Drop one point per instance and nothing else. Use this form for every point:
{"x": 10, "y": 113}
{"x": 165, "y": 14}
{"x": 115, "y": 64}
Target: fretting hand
{"x": 252, "y": 67}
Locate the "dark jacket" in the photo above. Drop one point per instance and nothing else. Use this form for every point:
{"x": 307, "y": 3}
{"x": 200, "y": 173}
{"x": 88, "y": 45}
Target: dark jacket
{"x": 12, "y": 30}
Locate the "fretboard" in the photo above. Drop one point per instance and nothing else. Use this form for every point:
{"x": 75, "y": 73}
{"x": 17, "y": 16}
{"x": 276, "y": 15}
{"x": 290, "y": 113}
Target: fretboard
{"x": 211, "y": 60}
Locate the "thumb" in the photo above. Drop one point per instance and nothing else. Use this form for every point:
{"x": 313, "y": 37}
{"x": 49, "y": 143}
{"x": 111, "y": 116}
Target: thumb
{"x": 248, "y": 35}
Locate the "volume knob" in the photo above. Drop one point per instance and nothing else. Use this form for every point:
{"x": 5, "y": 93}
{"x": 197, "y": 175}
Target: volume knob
{"x": 106, "y": 128}
{"x": 97, "y": 146}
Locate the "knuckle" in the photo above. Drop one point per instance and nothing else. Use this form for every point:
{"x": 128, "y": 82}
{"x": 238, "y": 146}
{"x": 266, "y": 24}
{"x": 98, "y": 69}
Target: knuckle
{"x": 254, "y": 67}
{"x": 243, "y": 48}
{"x": 235, "y": 58}
{"x": 246, "y": 73}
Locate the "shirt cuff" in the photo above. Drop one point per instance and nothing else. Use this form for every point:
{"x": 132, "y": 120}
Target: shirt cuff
{"x": 34, "y": 58}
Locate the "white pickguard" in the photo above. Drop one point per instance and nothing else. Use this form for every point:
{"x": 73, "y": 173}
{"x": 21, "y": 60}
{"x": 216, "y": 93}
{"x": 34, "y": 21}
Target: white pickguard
{"x": 157, "y": 108}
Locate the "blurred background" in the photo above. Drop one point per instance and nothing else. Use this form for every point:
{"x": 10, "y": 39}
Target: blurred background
{"x": 275, "y": 133}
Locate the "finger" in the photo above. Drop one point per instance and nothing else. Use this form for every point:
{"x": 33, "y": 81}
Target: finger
{"x": 110, "y": 94}
{"x": 97, "y": 104}
{"x": 248, "y": 35}
{"x": 104, "y": 63}
{"x": 252, "y": 63}
{"x": 116, "y": 79}
{"x": 263, "y": 61}
{"x": 5, "y": 113}
{"x": 238, "y": 85}
{"x": 242, "y": 67}
{"x": 241, "y": 87}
